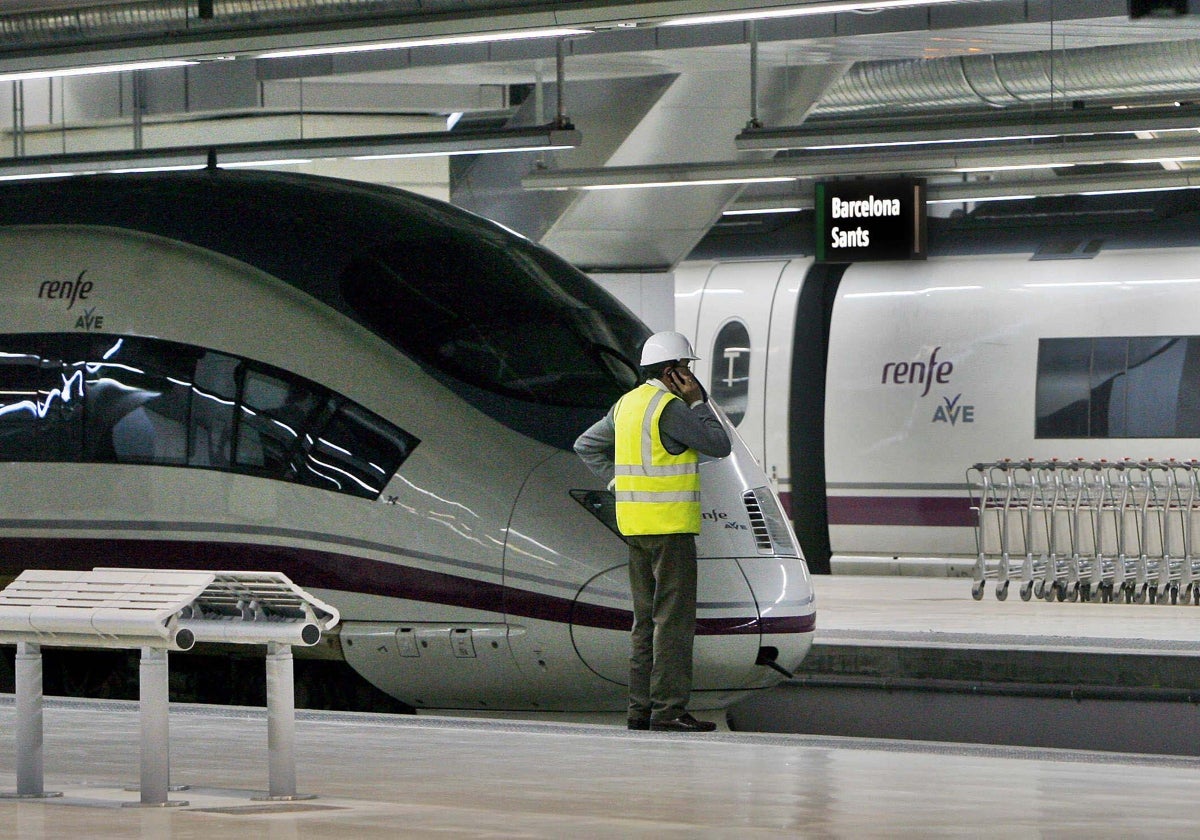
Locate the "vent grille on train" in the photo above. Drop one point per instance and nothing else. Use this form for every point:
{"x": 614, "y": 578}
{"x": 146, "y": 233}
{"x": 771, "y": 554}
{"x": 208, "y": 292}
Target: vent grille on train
{"x": 771, "y": 532}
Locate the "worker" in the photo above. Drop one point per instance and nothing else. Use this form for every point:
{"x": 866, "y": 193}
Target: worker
{"x": 648, "y": 448}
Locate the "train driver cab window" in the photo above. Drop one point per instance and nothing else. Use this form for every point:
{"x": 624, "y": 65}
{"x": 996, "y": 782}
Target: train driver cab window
{"x": 496, "y": 315}
{"x": 730, "y": 375}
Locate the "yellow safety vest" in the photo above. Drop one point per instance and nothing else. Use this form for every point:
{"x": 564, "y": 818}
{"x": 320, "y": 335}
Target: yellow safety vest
{"x": 657, "y": 492}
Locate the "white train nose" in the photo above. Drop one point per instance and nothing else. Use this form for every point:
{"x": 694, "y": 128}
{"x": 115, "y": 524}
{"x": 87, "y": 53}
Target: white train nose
{"x": 728, "y": 634}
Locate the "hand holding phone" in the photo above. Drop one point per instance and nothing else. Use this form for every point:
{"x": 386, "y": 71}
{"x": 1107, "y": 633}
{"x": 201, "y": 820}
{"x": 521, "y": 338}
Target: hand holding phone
{"x": 681, "y": 383}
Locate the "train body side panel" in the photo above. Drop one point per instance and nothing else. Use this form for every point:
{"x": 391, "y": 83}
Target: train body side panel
{"x": 932, "y": 367}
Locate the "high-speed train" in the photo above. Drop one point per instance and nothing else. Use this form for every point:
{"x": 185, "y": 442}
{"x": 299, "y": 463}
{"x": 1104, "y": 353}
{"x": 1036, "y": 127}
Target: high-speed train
{"x": 1053, "y": 329}
{"x": 375, "y": 394}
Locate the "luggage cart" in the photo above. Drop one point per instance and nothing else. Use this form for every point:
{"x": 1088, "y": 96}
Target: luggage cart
{"x": 1084, "y": 489}
{"x": 1002, "y": 497}
{"x": 1155, "y": 571}
{"x": 1167, "y": 574}
{"x": 1188, "y": 482}
{"x": 1120, "y": 480}
{"x": 1055, "y": 506}
{"x": 1106, "y": 511}
{"x": 991, "y": 490}
{"x": 1088, "y": 530}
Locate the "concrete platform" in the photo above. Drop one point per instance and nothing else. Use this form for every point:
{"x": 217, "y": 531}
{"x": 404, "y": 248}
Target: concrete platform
{"x": 926, "y": 628}
{"x": 380, "y": 776}
{"x": 917, "y": 657}
{"x": 939, "y": 612}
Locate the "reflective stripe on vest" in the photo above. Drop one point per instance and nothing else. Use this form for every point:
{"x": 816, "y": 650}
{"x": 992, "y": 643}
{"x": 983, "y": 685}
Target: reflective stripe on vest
{"x": 657, "y": 492}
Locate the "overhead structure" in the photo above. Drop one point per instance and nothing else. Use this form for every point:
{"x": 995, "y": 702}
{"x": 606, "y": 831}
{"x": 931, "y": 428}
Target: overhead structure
{"x": 290, "y": 152}
{"x": 675, "y": 87}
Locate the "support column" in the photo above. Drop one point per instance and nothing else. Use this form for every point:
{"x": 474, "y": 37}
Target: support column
{"x": 153, "y": 703}
{"x": 29, "y": 725}
{"x": 281, "y": 724}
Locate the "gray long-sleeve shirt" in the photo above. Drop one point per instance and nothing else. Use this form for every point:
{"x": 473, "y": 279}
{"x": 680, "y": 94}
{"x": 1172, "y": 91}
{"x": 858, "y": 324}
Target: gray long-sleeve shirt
{"x": 680, "y": 428}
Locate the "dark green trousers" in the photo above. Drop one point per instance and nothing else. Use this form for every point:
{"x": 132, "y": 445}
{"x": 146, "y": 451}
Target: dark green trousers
{"x": 662, "y": 578}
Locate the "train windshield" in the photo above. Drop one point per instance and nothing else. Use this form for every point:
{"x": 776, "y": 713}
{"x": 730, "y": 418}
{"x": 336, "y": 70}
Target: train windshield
{"x": 501, "y": 315}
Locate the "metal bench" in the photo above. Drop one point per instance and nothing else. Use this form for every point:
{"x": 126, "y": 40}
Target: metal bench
{"x": 158, "y": 611}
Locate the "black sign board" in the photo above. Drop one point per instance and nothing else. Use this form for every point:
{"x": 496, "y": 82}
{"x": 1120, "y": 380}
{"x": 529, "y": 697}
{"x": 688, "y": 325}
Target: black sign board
{"x": 1162, "y": 8}
{"x": 870, "y": 220}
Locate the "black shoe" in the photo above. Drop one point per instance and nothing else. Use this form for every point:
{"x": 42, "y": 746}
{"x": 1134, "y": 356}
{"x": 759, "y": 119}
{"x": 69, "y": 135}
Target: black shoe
{"x": 639, "y": 723}
{"x": 684, "y": 723}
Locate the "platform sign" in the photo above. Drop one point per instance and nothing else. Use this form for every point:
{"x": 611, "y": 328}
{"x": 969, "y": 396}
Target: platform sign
{"x": 870, "y": 220}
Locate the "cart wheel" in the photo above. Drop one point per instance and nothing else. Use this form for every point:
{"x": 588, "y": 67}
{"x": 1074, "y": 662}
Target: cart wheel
{"x": 1139, "y": 597}
{"x": 1026, "y": 590}
{"x": 1174, "y": 595}
{"x": 977, "y": 590}
{"x": 1086, "y": 594}
{"x": 1073, "y": 592}
{"x": 1039, "y": 589}
{"x": 1002, "y": 591}
{"x": 1060, "y": 591}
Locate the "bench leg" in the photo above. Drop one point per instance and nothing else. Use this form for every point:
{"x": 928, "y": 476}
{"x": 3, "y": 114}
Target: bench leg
{"x": 281, "y": 724}
{"x": 153, "y": 702}
{"x": 29, "y": 724}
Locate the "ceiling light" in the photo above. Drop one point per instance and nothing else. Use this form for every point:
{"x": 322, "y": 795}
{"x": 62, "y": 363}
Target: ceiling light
{"x": 701, "y": 182}
{"x": 26, "y": 75}
{"x": 759, "y": 211}
{"x": 864, "y": 133}
{"x": 830, "y": 164}
{"x": 281, "y": 152}
{"x": 1011, "y": 167}
{"x": 1064, "y": 186}
{"x": 981, "y": 191}
{"x": 797, "y": 11}
{"x": 440, "y": 41}
{"x": 277, "y": 162}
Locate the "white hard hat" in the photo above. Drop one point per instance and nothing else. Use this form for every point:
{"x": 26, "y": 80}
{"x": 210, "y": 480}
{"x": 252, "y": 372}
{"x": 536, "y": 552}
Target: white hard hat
{"x": 666, "y": 347}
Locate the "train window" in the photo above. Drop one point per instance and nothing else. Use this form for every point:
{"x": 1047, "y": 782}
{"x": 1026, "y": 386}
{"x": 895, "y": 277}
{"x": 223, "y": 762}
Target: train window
{"x": 497, "y": 316}
{"x": 275, "y": 412}
{"x": 1116, "y": 387}
{"x": 214, "y": 398}
{"x": 730, "y": 379}
{"x": 1062, "y": 388}
{"x": 358, "y": 451}
{"x": 115, "y": 399}
{"x": 136, "y": 401}
{"x": 41, "y": 404}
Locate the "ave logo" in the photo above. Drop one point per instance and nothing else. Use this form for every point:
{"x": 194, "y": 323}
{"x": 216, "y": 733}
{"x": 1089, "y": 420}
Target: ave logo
{"x": 950, "y": 411}
{"x": 72, "y": 292}
{"x": 89, "y": 320}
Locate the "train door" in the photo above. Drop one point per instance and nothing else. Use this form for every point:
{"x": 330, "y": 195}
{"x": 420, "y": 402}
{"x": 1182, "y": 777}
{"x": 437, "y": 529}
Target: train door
{"x": 732, "y": 329}
{"x": 813, "y": 313}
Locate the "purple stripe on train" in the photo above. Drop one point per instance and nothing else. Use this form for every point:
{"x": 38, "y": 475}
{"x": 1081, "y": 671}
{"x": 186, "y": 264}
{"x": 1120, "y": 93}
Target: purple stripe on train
{"x": 349, "y": 573}
{"x": 943, "y": 511}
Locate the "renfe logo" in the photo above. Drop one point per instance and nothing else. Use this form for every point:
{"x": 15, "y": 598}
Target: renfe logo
{"x": 69, "y": 290}
{"x": 918, "y": 373}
